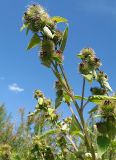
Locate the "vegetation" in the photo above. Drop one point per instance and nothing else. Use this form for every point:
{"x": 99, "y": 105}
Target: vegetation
{"x": 44, "y": 135}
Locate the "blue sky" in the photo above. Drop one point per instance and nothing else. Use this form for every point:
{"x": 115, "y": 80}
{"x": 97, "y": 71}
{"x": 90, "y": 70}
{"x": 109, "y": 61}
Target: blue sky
{"x": 92, "y": 23}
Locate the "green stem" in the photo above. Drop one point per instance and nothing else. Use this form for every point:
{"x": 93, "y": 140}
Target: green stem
{"x": 83, "y": 91}
{"x": 71, "y": 141}
{"x": 80, "y": 113}
{"x": 75, "y": 116}
{"x": 63, "y": 73}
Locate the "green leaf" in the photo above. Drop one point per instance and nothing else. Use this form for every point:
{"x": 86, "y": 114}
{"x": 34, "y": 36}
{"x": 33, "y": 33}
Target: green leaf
{"x": 64, "y": 40}
{"x": 35, "y": 40}
{"x": 74, "y": 128}
{"x": 80, "y": 97}
{"x": 94, "y": 109}
{"x": 102, "y": 144}
{"x": 80, "y": 56}
{"x": 47, "y": 133}
{"x": 57, "y": 59}
{"x": 88, "y": 77}
{"x": 98, "y": 116}
{"x": 59, "y": 19}
{"x": 66, "y": 97}
{"x": 23, "y": 27}
{"x": 98, "y": 99}
{"x": 40, "y": 101}
{"x": 58, "y": 101}
{"x": 27, "y": 31}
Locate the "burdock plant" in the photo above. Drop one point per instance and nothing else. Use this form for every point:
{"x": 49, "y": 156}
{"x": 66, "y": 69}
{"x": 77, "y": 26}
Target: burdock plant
{"x": 52, "y": 43}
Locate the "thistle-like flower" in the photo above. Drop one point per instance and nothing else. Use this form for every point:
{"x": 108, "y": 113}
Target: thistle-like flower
{"x": 35, "y": 18}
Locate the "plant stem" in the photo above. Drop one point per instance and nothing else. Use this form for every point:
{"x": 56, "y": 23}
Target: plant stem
{"x": 79, "y": 110}
{"x": 83, "y": 91}
{"x": 75, "y": 116}
{"x": 73, "y": 144}
{"x": 63, "y": 73}
{"x": 85, "y": 105}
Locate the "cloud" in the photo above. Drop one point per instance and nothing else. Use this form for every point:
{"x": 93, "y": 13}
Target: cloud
{"x": 15, "y": 88}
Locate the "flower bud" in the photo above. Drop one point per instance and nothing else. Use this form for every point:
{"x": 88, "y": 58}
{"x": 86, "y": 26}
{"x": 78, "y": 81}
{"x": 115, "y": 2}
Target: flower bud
{"x": 108, "y": 108}
{"x": 38, "y": 94}
{"x": 95, "y": 62}
{"x": 98, "y": 91}
{"x": 84, "y": 67}
{"x": 47, "y": 51}
{"x": 87, "y": 52}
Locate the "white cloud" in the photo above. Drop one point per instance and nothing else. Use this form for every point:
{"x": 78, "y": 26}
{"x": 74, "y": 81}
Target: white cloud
{"x": 15, "y": 88}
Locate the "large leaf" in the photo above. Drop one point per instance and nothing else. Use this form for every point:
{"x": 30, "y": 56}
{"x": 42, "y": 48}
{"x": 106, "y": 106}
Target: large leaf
{"x": 64, "y": 40}
{"x": 59, "y": 19}
{"x": 102, "y": 144}
{"x": 35, "y": 40}
{"x": 99, "y": 99}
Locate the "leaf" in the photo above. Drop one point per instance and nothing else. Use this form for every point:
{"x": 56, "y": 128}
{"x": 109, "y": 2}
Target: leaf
{"x": 74, "y": 128}
{"x": 64, "y": 40}
{"x": 98, "y": 116}
{"x": 46, "y": 134}
{"x": 102, "y": 144}
{"x": 94, "y": 109}
{"x": 27, "y": 31}
{"x": 66, "y": 97}
{"x": 23, "y": 27}
{"x": 80, "y": 56}
{"x": 57, "y": 59}
{"x": 106, "y": 84}
{"x": 88, "y": 77}
{"x": 40, "y": 101}
{"x": 58, "y": 101}
{"x": 59, "y": 19}
{"x": 47, "y": 32}
{"x": 98, "y": 99}
{"x": 80, "y": 97}
{"x": 35, "y": 40}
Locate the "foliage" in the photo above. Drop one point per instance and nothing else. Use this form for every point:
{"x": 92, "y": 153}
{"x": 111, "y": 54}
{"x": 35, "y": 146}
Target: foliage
{"x": 44, "y": 135}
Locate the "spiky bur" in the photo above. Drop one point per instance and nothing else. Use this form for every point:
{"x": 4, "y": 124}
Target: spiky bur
{"x": 44, "y": 106}
{"x": 47, "y": 52}
{"x": 89, "y": 61}
{"x": 35, "y": 18}
{"x": 90, "y": 69}
{"x": 98, "y": 91}
{"x": 107, "y": 125}
{"x": 59, "y": 93}
{"x": 108, "y": 108}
